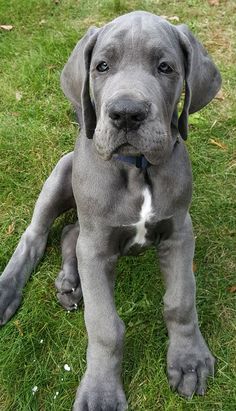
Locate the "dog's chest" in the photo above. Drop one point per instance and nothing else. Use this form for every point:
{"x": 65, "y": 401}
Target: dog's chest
{"x": 146, "y": 213}
{"x": 142, "y": 232}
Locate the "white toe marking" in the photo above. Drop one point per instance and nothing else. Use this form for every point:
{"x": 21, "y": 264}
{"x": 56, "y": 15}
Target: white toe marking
{"x": 145, "y": 214}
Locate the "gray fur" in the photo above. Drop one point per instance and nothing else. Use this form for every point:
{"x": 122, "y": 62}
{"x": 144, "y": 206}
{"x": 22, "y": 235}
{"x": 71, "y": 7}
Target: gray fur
{"x": 109, "y": 195}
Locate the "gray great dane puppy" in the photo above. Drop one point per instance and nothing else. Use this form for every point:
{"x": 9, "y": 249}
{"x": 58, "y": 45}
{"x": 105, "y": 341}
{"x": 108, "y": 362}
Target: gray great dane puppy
{"x": 130, "y": 179}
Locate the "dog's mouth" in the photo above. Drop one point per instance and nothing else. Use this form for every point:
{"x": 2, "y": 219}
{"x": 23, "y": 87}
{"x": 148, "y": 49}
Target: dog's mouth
{"x": 154, "y": 145}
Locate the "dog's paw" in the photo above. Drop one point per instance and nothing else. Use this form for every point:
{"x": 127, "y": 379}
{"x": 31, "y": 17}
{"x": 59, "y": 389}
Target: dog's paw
{"x": 10, "y": 298}
{"x": 68, "y": 286}
{"x": 189, "y": 365}
{"x": 94, "y": 394}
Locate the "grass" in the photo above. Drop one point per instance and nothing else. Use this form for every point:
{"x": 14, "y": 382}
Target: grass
{"x": 35, "y": 132}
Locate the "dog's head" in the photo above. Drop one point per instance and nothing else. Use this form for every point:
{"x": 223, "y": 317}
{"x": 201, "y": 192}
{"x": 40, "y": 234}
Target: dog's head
{"x": 125, "y": 81}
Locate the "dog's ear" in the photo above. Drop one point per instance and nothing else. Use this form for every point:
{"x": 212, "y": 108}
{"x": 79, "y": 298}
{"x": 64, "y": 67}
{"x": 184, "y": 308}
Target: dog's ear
{"x": 75, "y": 81}
{"x": 202, "y": 78}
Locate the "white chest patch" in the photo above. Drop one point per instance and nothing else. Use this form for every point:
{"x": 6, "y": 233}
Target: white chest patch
{"x": 145, "y": 215}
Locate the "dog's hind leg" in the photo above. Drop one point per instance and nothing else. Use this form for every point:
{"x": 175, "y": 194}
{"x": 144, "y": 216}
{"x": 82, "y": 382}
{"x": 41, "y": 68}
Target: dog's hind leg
{"x": 55, "y": 198}
{"x": 68, "y": 281}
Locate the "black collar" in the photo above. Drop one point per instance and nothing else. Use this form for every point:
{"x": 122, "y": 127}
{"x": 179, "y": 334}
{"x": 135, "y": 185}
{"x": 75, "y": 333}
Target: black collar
{"x": 138, "y": 161}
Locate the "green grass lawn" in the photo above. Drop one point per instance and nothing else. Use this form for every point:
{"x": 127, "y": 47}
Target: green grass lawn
{"x": 36, "y": 129}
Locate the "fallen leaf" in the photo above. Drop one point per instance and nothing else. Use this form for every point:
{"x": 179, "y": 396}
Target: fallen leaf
{"x": 18, "y": 96}
{"x": 171, "y": 18}
{"x": 19, "y": 327}
{"x": 220, "y": 95}
{"x": 43, "y": 21}
{"x": 232, "y": 289}
{"x": 194, "y": 267}
{"x": 11, "y": 229}
{"x": 6, "y": 27}
{"x": 214, "y": 2}
{"x": 218, "y": 144}
{"x": 15, "y": 113}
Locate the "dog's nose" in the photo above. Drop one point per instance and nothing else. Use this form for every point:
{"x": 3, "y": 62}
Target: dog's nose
{"x": 128, "y": 114}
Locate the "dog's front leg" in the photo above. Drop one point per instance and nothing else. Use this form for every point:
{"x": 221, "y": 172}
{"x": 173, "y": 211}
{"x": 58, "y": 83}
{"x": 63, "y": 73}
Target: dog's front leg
{"x": 55, "y": 198}
{"x": 189, "y": 362}
{"x": 101, "y": 387}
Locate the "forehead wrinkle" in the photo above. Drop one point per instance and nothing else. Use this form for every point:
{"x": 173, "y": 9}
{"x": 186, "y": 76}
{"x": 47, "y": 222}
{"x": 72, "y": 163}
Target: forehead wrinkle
{"x": 132, "y": 36}
{"x": 136, "y": 31}
{"x": 110, "y": 41}
{"x": 108, "y": 51}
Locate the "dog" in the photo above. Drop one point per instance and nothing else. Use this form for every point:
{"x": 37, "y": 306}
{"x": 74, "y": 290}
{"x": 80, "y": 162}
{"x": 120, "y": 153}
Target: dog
{"x": 130, "y": 179}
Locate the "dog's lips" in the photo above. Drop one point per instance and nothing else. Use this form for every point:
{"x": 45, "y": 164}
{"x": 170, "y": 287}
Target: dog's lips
{"x": 124, "y": 149}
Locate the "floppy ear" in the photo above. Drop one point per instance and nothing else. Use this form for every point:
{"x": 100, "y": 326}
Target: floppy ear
{"x": 75, "y": 81}
{"x": 202, "y": 78}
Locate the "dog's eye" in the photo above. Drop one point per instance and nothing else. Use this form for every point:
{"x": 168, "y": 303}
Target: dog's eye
{"x": 102, "y": 67}
{"x": 165, "y": 68}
